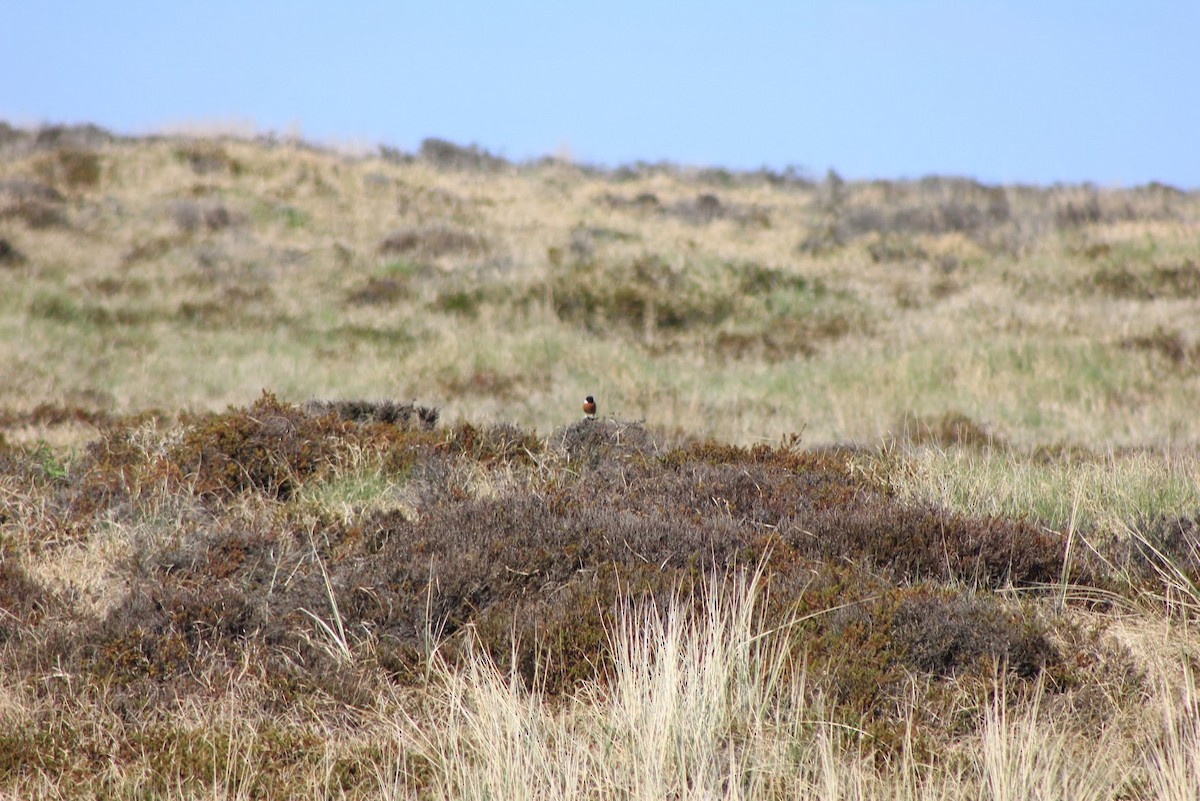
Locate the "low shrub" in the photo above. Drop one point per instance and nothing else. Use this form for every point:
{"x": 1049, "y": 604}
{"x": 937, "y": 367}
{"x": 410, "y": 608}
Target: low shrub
{"x": 944, "y": 633}
{"x": 873, "y": 648}
{"x": 448, "y": 155}
{"x": 932, "y": 206}
{"x": 433, "y": 241}
{"x": 1120, "y": 280}
{"x": 191, "y": 216}
{"x": 645, "y": 296}
{"x": 1168, "y": 344}
{"x": 1164, "y": 547}
{"x": 913, "y": 542}
{"x": 590, "y": 441}
{"x": 379, "y": 292}
{"x": 462, "y": 302}
{"x": 35, "y": 212}
{"x": 80, "y": 137}
{"x": 950, "y": 429}
{"x": 207, "y": 158}
{"x": 268, "y": 447}
{"x": 9, "y": 255}
{"x": 529, "y": 550}
{"x": 498, "y": 443}
{"x": 405, "y": 415}
{"x": 891, "y": 248}
{"x": 643, "y": 202}
{"x": 72, "y": 167}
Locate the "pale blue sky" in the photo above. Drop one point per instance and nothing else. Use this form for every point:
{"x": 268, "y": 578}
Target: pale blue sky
{"x": 1025, "y": 91}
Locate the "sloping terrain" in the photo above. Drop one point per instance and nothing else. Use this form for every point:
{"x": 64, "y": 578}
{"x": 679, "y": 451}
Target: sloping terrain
{"x": 893, "y": 492}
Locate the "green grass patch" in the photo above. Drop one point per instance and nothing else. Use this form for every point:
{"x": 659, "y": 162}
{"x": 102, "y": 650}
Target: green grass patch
{"x": 1063, "y": 487}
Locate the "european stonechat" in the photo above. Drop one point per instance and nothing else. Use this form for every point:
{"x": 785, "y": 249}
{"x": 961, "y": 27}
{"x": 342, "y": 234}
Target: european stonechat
{"x": 589, "y": 406}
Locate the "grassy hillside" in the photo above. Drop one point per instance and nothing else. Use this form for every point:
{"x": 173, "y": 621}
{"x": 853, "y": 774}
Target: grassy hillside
{"x": 894, "y": 492}
{"x": 172, "y": 274}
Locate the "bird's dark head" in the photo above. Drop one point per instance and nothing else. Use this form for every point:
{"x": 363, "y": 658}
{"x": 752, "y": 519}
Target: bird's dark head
{"x": 590, "y": 399}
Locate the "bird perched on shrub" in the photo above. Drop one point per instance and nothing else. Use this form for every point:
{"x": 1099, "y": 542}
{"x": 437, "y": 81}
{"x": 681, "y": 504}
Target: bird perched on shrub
{"x": 589, "y": 406}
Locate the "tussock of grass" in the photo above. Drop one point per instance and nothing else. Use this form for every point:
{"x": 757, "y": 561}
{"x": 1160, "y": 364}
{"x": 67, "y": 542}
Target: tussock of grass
{"x": 1061, "y": 486}
{"x": 685, "y": 710}
{"x": 711, "y": 702}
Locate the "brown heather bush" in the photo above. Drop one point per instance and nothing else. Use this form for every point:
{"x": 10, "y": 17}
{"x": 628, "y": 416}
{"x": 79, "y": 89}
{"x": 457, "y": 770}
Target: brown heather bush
{"x": 404, "y": 415}
{"x": 1160, "y": 544}
{"x": 447, "y": 155}
{"x": 521, "y": 563}
{"x": 944, "y": 633}
{"x": 53, "y": 414}
{"x": 1121, "y": 280}
{"x": 206, "y": 158}
{"x": 35, "y": 204}
{"x": 498, "y": 443}
{"x": 528, "y": 550}
{"x": 163, "y": 635}
{"x": 71, "y": 494}
{"x": 911, "y": 543}
{"x": 948, "y": 430}
{"x": 432, "y": 241}
{"x": 930, "y": 206}
{"x": 268, "y": 448}
{"x": 9, "y": 255}
{"x": 590, "y": 441}
{"x": 191, "y": 215}
{"x": 70, "y": 167}
{"x": 1170, "y": 345}
{"x": 643, "y": 202}
{"x": 106, "y": 477}
{"x": 80, "y": 137}
{"x": 646, "y": 295}
{"x": 379, "y": 292}
{"x": 273, "y": 447}
{"x": 865, "y": 640}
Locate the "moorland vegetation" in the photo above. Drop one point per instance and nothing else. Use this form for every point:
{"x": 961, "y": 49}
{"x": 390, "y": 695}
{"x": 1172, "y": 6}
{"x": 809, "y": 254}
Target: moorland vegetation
{"x": 894, "y": 491}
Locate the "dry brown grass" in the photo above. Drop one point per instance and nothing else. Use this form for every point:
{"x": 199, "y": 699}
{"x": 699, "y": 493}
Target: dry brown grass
{"x": 193, "y": 273}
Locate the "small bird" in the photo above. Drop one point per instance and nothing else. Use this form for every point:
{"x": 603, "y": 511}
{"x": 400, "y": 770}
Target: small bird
{"x": 589, "y": 406}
